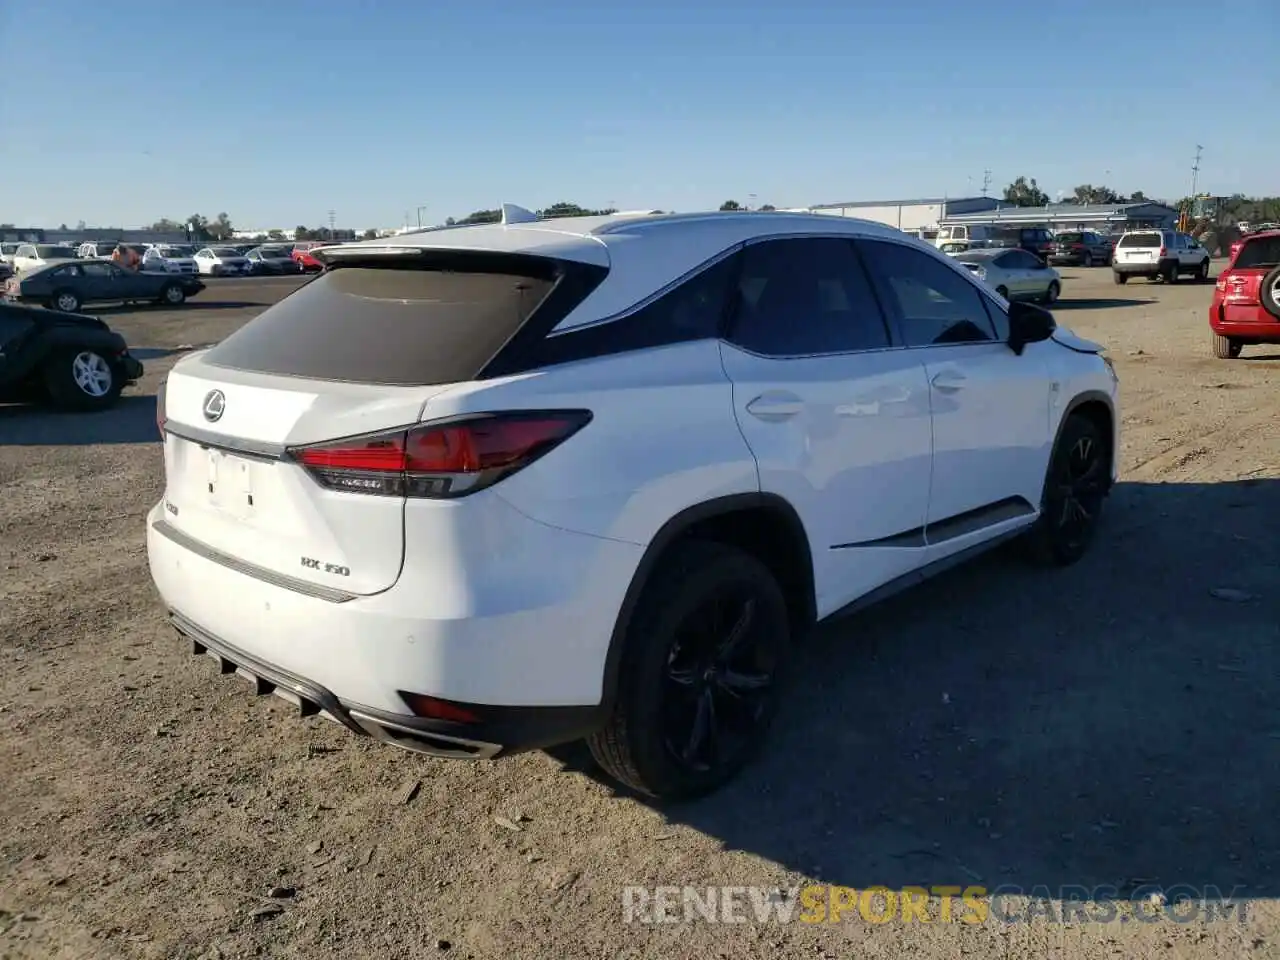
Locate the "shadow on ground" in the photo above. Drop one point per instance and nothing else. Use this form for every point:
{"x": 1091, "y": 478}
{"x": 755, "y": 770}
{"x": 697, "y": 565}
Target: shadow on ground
{"x": 1113, "y": 723}
{"x": 132, "y": 420}
{"x": 1103, "y": 303}
{"x": 188, "y": 305}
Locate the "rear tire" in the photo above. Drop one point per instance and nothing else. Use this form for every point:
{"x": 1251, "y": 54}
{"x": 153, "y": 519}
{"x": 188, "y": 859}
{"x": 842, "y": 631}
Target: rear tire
{"x": 1226, "y": 348}
{"x": 1171, "y": 273}
{"x": 1003, "y": 291}
{"x": 82, "y": 381}
{"x": 1075, "y": 487}
{"x": 67, "y": 301}
{"x": 705, "y": 652}
{"x": 1051, "y": 293}
{"x": 1087, "y": 260}
{"x": 1120, "y": 278}
{"x": 1202, "y": 274}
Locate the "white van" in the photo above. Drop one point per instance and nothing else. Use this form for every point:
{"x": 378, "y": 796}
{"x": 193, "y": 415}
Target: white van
{"x": 975, "y": 235}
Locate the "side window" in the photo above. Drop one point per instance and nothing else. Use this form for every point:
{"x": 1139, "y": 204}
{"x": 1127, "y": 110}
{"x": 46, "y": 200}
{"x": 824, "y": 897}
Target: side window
{"x": 1027, "y": 261}
{"x": 806, "y": 296}
{"x": 96, "y": 270}
{"x": 1006, "y": 261}
{"x": 933, "y": 303}
{"x": 694, "y": 310}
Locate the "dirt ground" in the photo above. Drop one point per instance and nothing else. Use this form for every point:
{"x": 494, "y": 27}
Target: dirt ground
{"x": 1111, "y": 724}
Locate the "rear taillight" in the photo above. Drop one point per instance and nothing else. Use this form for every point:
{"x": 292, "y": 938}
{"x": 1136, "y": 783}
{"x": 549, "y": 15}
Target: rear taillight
{"x": 1077, "y": 246}
{"x": 440, "y": 460}
{"x": 160, "y": 412}
{"x": 1164, "y": 251}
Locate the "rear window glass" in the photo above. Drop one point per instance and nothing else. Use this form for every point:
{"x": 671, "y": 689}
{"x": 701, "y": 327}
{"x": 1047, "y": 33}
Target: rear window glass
{"x": 1141, "y": 240}
{"x": 1070, "y": 238}
{"x": 1259, "y": 253}
{"x": 52, "y": 252}
{"x": 388, "y": 325}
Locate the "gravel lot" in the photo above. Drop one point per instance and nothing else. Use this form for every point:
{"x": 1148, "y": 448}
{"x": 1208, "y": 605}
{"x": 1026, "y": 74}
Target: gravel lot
{"x": 1115, "y": 723}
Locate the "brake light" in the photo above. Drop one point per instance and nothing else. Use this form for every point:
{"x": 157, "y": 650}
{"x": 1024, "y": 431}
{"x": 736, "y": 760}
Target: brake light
{"x": 1077, "y": 246}
{"x": 161, "y": 416}
{"x": 440, "y": 460}
{"x": 1164, "y": 251}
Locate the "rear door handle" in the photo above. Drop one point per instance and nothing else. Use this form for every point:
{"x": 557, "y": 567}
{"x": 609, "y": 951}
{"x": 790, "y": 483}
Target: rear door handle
{"x": 775, "y": 406}
{"x": 948, "y": 381}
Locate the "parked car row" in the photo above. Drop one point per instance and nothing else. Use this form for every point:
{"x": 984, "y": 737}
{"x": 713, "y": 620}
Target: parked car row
{"x": 273, "y": 259}
{"x": 68, "y": 285}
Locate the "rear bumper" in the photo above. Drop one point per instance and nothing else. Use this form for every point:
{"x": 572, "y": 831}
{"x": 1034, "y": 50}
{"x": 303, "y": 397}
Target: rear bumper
{"x": 1152, "y": 269}
{"x": 131, "y": 367}
{"x": 515, "y": 631}
{"x": 1249, "y": 322}
{"x": 501, "y": 731}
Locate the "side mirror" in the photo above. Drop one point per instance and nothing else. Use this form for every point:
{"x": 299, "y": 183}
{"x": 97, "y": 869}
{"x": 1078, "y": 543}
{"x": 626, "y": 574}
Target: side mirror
{"x": 1028, "y": 324}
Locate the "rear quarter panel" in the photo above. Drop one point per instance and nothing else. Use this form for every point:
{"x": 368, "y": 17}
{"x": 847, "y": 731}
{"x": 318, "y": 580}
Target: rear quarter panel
{"x": 663, "y": 437}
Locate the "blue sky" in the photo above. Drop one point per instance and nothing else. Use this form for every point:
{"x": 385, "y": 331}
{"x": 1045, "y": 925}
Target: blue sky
{"x": 278, "y": 112}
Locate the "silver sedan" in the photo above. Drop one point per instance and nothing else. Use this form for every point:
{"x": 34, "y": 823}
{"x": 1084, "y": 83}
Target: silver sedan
{"x": 1014, "y": 274}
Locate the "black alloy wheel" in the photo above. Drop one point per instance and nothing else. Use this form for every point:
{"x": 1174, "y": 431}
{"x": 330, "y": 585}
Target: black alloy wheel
{"x": 1075, "y": 490}
{"x": 719, "y": 679}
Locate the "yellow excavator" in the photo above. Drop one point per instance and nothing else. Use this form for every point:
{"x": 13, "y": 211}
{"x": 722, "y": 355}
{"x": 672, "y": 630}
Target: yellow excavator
{"x": 1206, "y": 219}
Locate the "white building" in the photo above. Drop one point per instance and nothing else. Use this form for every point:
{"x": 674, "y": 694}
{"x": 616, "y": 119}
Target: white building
{"x": 909, "y": 214}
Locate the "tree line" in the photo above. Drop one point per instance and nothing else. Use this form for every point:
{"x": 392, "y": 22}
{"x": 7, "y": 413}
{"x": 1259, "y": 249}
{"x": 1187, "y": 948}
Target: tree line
{"x": 1025, "y": 192}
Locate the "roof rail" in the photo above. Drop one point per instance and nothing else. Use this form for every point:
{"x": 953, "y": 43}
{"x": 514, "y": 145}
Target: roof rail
{"x": 513, "y": 214}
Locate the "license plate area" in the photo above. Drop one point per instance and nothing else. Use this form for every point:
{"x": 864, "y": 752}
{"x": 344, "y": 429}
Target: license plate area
{"x": 231, "y": 483}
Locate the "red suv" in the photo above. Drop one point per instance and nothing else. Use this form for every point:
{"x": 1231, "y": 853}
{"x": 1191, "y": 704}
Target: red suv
{"x": 1246, "y": 298}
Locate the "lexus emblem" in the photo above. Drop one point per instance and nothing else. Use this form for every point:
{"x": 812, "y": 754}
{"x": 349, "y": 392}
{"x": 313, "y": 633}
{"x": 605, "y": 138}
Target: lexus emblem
{"x": 215, "y": 402}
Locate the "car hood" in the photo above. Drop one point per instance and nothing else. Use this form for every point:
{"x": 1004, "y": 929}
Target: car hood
{"x": 1069, "y": 339}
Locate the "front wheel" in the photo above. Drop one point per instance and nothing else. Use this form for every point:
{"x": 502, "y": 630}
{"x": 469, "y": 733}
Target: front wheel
{"x": 1226, "y": 348}
{"x": 1075, "y": 487}
{"x": 173, "y": 295}
{"x": 701, "y": 673}
{"x": 81, "y": 380}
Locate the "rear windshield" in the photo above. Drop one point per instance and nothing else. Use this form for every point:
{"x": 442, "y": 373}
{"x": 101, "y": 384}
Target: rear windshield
{"x": 388, "y": 325}
{"x": 1259, "y": 253}
{"x": 54, "y": 252}
{"x": 1141, "y": 240}
{"x": 1070, "y": 238}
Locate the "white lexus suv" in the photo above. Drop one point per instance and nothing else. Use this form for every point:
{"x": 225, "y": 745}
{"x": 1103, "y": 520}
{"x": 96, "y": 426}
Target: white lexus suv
{"x": 484, "y": 489}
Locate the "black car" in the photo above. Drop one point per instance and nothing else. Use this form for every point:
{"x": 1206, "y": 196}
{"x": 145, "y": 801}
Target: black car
{"x": 272, "y": 261}
{"x": 1080, "y": 248}
{"x": 68, "y": 286}
{"x": 69, "y": 360}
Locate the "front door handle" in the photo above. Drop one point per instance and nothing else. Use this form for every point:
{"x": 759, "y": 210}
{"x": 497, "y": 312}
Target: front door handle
{"x": 775, "y": 406}
{"x": 948, "y": 381}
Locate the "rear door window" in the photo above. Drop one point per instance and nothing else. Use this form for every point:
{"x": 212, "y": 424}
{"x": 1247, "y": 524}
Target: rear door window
{"x": 401, "y": 324}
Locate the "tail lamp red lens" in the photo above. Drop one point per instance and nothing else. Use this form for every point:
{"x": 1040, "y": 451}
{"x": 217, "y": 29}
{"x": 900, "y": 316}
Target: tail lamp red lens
{"x": 440, "y": 460}
{"x": 436, "y": 709}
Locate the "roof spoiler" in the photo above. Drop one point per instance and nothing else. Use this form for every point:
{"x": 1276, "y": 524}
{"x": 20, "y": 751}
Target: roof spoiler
{"x": 513, "y": 214}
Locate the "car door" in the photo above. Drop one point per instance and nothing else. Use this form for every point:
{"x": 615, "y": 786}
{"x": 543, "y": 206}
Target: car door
{"x": 836, "y": 415}
{"x": 1009, "y": 275}
{"x": 990, "y": 406}
{"x": 99, "y": 281}
{"x": 1034, "y": 272}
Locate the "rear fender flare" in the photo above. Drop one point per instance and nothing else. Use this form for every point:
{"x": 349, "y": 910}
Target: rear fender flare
{"x": 669, "y": 533}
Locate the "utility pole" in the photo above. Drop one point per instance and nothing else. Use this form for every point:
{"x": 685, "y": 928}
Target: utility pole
{"x": 421, "y": 207}
{"x": 331, "y": 234}
{"x": 1195, "y": 170}
{"x": 986, "y": 181}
